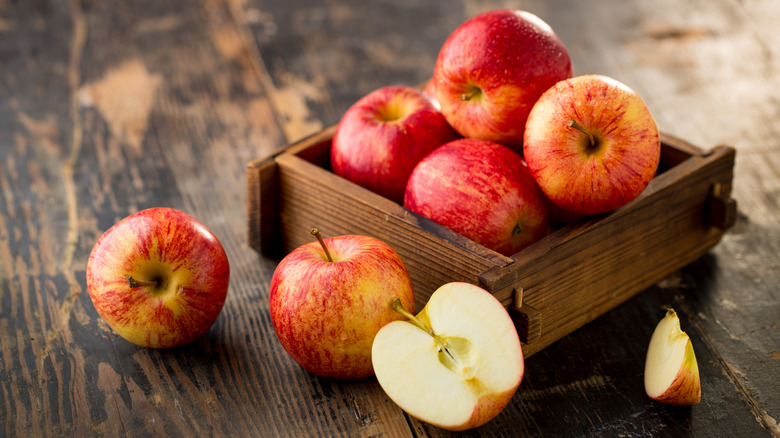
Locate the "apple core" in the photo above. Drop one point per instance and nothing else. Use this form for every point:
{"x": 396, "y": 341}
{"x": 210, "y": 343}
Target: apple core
{"x": 453, "y": 351}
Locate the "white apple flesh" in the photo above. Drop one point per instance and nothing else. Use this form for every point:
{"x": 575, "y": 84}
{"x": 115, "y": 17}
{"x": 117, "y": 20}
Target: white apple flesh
{"x": 671, "y": 370}
{"x": 456, "y": 364}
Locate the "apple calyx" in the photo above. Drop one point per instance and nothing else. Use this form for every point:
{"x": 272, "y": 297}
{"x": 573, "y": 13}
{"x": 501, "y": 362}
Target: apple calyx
{"x": 592, "y": 142}
{"x": 316, "y": 233}
{"x": 136, "y": 284}
{"x": 448, "y": 353}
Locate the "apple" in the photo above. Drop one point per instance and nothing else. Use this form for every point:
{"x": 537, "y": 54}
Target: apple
{"x": 671, "y": 370}
{"x": 491, "y": 70}
{"x": 158, "y": 277}
{"x": 481, "y": 190}
{"x": 591, "y": 144}
{"x": 329, "y": 299}
{"x": 456, "y": 364}
{"x": 380, "y": 138}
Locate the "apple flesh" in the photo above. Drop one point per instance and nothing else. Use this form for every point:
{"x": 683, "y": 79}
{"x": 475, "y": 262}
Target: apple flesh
{"x": 456, "y": 364}
{"x": 329, "y": 299}
{"x": 380, "y": 138}
{"x": 591, "y": 144}
{"x": 158, "y": 277}
{"x": 481, "y": 190}
{"x": 491, "y": 70}
{"x": 671, "y": 370}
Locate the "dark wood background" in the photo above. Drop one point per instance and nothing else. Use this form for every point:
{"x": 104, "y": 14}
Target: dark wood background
{"x": 108, "y": 107}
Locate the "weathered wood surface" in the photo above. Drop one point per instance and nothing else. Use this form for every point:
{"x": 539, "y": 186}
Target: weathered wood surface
{"x": 109, "y": 107}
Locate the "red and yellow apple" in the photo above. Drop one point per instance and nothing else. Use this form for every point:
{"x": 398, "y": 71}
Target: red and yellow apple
{"x": 158, "y": 277}
{"x": 491, "y": 70}
{"x": 380, "y": 138}
{"x": 671, "y": 370}
{"x": 456, "y": 364}
{"x": 329, "y": 299}
{"x": 591, "y": 144}
{"x": 481, "y": 190}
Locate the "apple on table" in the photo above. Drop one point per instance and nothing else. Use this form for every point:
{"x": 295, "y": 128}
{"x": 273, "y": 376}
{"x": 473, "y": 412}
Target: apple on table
{"x": 481, "y": 190}
{"x": 491, "y": 70}
{"x": 591, "y": 144}
{"x": 381, "y": 137}
{"x": 329, "y": 298}
{"x": 671, "y": 370}
{"x": 158, "y": 277}
{"x": 456, "y": 364}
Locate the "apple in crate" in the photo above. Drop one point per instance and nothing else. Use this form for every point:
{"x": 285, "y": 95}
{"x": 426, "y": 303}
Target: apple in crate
{"x": 329, "y": 299}
{"x": 456, "y": 364}
{"x": 381, "y": 137}
{"x": 481, "y": 190}
{"x": 591, "y": 144}
{"x": 158, "y": 277}
{"x": 671, "y": 370}
{"x": 491, "y": 70}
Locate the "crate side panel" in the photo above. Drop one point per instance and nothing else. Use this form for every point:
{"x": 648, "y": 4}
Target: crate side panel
{"x": 305, "y": 202}
{"x": 609, "y": 263}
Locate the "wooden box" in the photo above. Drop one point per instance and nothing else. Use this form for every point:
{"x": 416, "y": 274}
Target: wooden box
{"x": 551, "y": 288}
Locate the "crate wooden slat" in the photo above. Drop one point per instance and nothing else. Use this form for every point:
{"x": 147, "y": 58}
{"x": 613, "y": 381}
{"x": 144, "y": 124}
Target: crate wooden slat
{"x": 551, "y": 288}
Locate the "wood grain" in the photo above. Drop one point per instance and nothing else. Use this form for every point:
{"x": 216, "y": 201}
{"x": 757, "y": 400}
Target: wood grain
{"x": 110, "y": 107}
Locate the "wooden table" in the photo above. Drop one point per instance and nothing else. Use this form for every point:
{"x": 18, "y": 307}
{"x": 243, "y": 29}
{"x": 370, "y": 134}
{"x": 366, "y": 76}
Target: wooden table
{"x": 108, "y": 107}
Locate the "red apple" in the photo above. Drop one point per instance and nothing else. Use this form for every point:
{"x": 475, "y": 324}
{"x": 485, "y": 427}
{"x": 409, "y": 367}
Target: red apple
{"x": 591, "y": 144}
{"x": 158, "y": 277}
{"x": 329, "y": 299}
{"x": 380, "y": 138}
{"x": 481, "y": 190}
{"x": 492, "y": 69}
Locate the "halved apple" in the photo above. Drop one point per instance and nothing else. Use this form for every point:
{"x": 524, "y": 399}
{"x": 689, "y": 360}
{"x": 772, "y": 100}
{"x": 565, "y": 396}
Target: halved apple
{"x": 671, "y": 370}
{"x": 456, "y": 364}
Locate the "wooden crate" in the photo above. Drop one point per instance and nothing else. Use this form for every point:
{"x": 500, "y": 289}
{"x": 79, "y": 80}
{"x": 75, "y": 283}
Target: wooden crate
{"x": 550, "y": 288}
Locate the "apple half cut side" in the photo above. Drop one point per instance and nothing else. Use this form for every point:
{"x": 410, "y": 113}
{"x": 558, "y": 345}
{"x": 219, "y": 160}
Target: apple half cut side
{"x": 456, "y": 364}
{"x": 671, "y": 370}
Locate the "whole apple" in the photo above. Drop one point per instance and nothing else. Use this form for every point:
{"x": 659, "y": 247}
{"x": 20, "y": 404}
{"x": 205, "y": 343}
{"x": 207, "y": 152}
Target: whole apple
{"x": 380, "y": 138}
{"x": 329, "y": 299}
{"x": 158, "y": 277}
{"x": 592, "y": 144}
{"x": 492, "y": 69}
{"x": 481, "y": 190}
{"x": 456, "y": 364}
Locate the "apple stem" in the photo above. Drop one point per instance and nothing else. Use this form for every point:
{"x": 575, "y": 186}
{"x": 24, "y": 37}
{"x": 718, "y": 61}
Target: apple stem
{"x": 398, "y": 307}
{"x": 440, "y": 343}
{"x": 135, "y": 283}
{"x": 316, "y": 234}
{"x": 573, "y": 124}
{"x": 471, "y": 93}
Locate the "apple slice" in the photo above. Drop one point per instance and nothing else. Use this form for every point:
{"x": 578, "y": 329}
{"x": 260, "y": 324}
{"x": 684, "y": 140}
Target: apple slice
{"x": 671, "y": 371}
{"x": 456, "y": 364}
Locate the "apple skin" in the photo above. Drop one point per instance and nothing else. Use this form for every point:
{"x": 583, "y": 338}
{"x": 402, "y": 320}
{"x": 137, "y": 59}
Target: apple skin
{"x": 326, "y": 314}
{"x": 381, "y": 137}
{"x": 454, "y": 395}
{"x": 174, "y": 248}
{"x": 481, "y": 190}
{"x": 575, "y": 176}
{"x": 671, "y": 369}
{"x": 491, "y": 70}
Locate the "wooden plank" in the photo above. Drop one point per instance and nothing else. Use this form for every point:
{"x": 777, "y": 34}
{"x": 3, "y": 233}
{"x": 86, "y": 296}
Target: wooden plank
{"x": 108, "y": 107}
{"x": 310, "y": 196}
{"x": 111, "y": 109}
